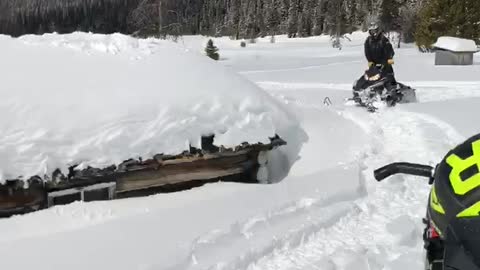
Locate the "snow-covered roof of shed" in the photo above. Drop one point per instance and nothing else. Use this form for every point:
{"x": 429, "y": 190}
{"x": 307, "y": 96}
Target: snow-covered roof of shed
{"x": 456, "y": 44}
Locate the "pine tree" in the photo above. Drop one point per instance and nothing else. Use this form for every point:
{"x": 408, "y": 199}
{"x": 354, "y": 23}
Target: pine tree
{"x": 220, "y": 24}
{"x": 389, "y": 14}
{"x": 237, "y": 18}
{"x": 319, "y": 17}
{"x": 293, "y": 18}
{"x": 233, "y": 23}
{"x": 466, "y": 18}
{"x": 284, "y": 15}
{"x": 336, "y": 21}
{"x": 305, "y": 22}
{"x": 350, "y": 13}
{"x": 273, "y": 18}
{"x": 448, "y": 18}
{"x": 407, "y": 20}
{"x": 251, "y": 26}
{"x": 212, "y": 51}
{"x": 261, "y": 27}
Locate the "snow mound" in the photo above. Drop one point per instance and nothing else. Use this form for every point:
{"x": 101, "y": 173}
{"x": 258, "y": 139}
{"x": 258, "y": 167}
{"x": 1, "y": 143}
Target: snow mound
{"x": 64, "y": 106}
{"x": 97, "y": 43}
{"x": 456, "y": 44}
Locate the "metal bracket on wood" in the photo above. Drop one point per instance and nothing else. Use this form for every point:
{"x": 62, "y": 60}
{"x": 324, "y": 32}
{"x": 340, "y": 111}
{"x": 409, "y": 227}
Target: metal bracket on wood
{"x": 79, "y": 193}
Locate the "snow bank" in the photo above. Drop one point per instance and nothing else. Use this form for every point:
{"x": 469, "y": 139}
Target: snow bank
{"x": 456, "y": 44}
{"x": 329, "y": 213}
{"x": 81, "y": 99}
{"x": 98, "y": 43}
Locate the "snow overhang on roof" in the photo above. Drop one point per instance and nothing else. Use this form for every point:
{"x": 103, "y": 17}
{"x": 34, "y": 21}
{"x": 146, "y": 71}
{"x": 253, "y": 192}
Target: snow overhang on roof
{"x": 456, "y": 44}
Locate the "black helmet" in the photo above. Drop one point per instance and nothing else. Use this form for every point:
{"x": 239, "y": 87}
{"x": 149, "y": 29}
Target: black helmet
{"x": 373, "y": 29}
{"x": 454, "y": 205}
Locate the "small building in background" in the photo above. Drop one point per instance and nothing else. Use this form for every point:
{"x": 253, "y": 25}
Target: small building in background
{"x": 454, "y": 51}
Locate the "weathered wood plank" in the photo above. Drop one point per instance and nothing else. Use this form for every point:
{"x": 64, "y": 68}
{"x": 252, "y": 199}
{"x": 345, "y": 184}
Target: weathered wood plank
{"x": 183, "y": 172}
{"x": 145, "y": 180}
{"x": 22, "y": 201}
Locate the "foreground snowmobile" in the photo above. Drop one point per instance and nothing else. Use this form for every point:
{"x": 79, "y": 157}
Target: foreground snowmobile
{"x": 452, "y": 233}
{"x": 376, "y": 86}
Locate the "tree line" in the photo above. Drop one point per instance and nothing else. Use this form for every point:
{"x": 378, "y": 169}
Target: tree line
{"x": 422, "y": 20}
{"x": 458, "y": 18}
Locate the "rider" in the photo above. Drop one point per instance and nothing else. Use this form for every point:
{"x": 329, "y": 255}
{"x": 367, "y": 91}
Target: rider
{"x": 379, "y": 50}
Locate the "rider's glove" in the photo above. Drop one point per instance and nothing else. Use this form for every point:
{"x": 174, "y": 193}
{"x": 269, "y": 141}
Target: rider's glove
{"x": 390, "y": 62}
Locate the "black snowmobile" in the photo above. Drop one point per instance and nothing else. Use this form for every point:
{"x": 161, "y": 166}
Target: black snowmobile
{"x": 452, "y": 223}
{"x": 376, "y": 86}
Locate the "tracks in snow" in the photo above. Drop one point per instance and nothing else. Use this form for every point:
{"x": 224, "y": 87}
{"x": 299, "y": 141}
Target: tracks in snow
{"x": 285, "y": 227}
{"x": 383, "y": 231}
{"x": 377, "y": 227}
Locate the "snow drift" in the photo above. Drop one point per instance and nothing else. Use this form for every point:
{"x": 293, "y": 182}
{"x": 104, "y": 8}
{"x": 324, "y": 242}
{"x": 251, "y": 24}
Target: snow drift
{"x": 89, "y": 43}
{"x": 329, "y": 213}
{"x": 97, "y": 100}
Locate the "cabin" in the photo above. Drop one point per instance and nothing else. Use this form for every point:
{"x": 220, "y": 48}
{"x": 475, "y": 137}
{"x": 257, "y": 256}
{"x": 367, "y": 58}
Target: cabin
{"x": 245, "y": 163}
{"x": 454, "y": 51}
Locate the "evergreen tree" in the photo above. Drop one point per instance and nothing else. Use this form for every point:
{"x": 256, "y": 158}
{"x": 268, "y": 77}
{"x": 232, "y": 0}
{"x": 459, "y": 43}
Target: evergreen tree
{"x": 350, "y": 14}
{"x": 293, "y": 18}
{"x": 319, "y": 17}
{"x": 273, "y": 18}
{"x": 212, "y": 51}
{"x": 233, "y": 23}
{"x": 407, "y": 20}
{"x": 261, "y": 27}
{"x": 284, "y": 15}
{"x": 251, "y": 22}
{"x": 466, "y": 19}
{"x": 336, "y": 21}
{"x": 236, "y": 18}
{"x": 389, "y": 14}
{"x": 459, "y": 18}
{"x": 305, "y": 24}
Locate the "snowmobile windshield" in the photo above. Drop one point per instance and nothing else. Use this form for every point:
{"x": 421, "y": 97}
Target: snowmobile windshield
{"x": 462, "y": 247}
{"x": 373, "y": 74}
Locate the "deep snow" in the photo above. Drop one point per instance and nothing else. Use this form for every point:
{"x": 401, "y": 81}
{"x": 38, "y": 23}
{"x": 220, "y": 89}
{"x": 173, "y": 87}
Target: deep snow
{"x": 97, "y": 100}
{"x": 328, "y": 214}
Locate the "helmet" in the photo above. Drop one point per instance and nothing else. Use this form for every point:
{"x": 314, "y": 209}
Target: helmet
{"x": 454, "y": 205}
{"x": 373, "y": 29}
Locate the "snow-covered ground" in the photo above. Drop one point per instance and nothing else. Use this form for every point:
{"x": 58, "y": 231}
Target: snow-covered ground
{"x": 328, "y": 213}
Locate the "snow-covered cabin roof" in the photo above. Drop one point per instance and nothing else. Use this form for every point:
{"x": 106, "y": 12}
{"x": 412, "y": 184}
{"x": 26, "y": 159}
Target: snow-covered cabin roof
{"x": 455, "y": 44}
{"x": 97, "y": 100}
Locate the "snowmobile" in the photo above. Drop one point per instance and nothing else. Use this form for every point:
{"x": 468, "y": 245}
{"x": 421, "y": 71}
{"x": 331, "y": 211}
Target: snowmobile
{"x": 377, "y": 86}
{"x": 452, "y": 223}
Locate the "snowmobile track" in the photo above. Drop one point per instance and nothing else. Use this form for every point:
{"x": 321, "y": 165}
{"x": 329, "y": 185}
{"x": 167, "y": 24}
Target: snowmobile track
{"x": 385, "y": 227}
{"x": 313, "y": 215}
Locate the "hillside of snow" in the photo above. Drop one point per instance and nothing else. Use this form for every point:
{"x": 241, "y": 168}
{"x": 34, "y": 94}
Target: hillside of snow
{"x": 98, "y": 100}
{"x": 327, "y": 214}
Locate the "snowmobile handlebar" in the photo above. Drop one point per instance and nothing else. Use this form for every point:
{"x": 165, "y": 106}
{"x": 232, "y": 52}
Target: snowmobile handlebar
{"x": 404, "y": 168}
